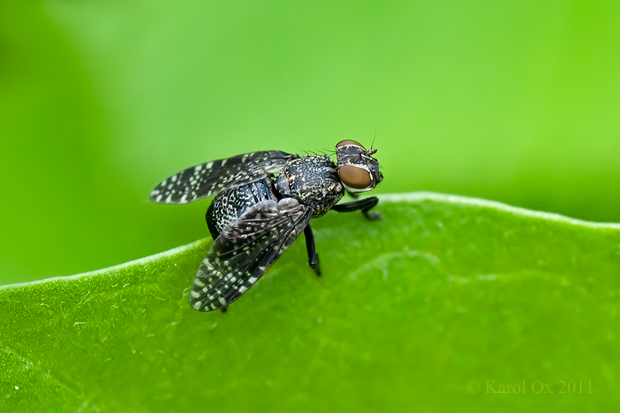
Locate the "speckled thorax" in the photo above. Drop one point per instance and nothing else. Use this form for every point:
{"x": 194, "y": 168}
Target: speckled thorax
{"x": 313, "y": 180}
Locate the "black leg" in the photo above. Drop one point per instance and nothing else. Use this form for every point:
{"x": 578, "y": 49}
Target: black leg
{"x": 365, "y": 205}
{"x": 313, "y": 257}
{"x": 224, "y": 309}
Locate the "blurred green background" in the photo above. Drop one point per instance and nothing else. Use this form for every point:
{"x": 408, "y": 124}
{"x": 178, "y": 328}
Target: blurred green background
{"x": 515, "y": 101}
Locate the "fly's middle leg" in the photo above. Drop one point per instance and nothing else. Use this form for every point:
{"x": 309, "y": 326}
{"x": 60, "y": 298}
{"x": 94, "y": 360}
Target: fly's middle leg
{"x": 313, "y": 257}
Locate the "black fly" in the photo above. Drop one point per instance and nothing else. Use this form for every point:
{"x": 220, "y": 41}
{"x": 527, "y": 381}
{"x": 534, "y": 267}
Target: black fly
{"x": 265, "y": 201}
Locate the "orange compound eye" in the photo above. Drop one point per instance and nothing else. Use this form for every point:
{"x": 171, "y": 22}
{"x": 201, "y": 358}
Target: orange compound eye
{"x": 349, "y": 142}
{"x": 354, "y": 177}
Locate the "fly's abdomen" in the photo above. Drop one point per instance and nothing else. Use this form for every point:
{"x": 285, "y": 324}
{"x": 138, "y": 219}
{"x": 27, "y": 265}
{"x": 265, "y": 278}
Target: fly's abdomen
{"x": 229, "y": 205}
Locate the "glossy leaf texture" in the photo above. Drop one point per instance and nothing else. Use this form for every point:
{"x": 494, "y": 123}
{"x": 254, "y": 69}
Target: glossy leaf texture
{"x": 446, "y": 303}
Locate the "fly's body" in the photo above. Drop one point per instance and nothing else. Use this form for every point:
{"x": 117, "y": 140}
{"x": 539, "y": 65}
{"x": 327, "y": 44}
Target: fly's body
{"x": 264, "y": 201}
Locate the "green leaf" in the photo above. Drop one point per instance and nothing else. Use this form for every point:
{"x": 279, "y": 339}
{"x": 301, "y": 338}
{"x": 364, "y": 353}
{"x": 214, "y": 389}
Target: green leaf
{"x": 411, "y": 312}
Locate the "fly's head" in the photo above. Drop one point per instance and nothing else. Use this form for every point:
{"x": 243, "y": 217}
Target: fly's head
{"x": 357, "y": 169}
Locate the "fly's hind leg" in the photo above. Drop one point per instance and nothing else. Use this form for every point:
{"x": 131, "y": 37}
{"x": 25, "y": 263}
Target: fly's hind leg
{"x": 313, "y": 257}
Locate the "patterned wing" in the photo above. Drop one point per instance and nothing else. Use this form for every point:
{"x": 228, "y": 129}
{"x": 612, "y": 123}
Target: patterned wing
{"x": 209, "y": 178}
{"x": 242, "y": 253}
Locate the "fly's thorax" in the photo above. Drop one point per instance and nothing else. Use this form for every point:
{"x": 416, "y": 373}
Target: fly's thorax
{"x": 321, "y": 208}
{"x": 313, "y": 180}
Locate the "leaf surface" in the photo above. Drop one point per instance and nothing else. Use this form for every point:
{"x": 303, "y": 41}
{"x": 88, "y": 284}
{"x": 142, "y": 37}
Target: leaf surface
{"x": 410, "y": 313}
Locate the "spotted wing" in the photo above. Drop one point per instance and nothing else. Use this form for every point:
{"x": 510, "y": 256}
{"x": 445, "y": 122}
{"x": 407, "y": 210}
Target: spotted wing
{"x": 242, "y": 253}
{"x": 209, "y": 178}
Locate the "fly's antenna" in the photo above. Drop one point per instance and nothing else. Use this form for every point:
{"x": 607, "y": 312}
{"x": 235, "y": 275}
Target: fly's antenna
{"x": 373, "y": 139}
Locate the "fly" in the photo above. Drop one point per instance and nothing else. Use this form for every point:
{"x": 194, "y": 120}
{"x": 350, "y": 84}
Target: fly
{"x": 264, "y": 201}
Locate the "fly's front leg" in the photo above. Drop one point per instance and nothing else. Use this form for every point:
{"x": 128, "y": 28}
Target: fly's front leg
{"x": 313, "y": 257}
{"x": 365, "y": 205}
